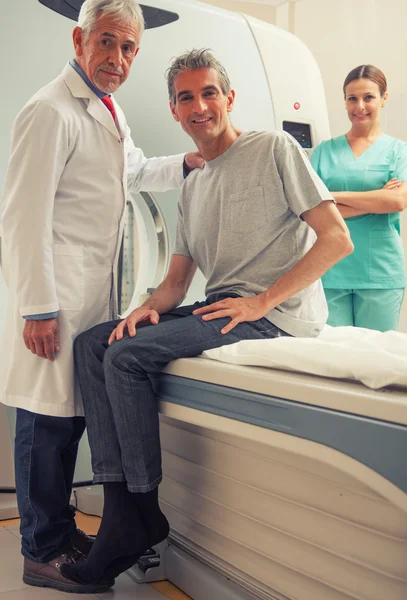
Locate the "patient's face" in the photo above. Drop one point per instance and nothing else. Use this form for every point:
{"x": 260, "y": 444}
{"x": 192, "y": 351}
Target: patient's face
{"x": 200, "y": 105}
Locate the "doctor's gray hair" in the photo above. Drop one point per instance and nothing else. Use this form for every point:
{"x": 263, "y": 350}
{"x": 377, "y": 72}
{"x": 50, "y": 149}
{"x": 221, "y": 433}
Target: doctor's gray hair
{"x": 125, "y": 10}
{"x": 191, "y": 61}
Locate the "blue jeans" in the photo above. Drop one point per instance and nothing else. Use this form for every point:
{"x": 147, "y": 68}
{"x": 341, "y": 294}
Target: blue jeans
{"x": 120, "y": 405}
{"x": 45, "y": 455}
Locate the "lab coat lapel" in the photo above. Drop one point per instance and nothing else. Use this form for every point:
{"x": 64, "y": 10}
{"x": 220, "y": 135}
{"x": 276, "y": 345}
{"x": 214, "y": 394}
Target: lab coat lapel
{"x": 98, "y": 110}
{"x": 121, "y": 120}
{"x": 95, "y": 107}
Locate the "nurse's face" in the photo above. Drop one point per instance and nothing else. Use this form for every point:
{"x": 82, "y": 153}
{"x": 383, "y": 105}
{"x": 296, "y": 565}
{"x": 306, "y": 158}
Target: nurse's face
{"x": 364, "y": 102}
{"x": 107, "y": 52}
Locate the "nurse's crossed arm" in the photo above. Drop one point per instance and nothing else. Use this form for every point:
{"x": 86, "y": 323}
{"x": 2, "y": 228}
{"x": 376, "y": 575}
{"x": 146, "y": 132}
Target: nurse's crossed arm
{"x": 391, "y": 198}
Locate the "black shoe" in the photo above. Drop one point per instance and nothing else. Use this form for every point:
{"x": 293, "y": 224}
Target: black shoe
{"x": 82, "y": 542}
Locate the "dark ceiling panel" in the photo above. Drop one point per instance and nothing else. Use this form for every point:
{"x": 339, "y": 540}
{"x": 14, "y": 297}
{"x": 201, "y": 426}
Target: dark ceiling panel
{"x": 61, "y": 7}
{"x": 154, "y": 17}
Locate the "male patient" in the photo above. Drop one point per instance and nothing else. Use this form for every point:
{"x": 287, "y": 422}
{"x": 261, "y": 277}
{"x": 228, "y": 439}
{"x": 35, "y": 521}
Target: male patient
{"x": 263, "y": 229}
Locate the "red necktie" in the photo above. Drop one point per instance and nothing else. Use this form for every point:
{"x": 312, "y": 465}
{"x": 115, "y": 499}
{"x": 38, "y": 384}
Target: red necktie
{"x": 107, "y": 101}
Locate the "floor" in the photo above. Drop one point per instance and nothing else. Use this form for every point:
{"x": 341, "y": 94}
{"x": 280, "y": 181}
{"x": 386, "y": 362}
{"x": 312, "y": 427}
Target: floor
{"x": 13, "y": 588}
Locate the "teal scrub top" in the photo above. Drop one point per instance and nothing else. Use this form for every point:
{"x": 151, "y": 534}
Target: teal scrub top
{"x": 378, "y": 258}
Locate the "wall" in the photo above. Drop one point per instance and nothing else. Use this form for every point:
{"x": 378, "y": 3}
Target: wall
{"x": 260, "y": 11}
{"x": 344, "y": 34}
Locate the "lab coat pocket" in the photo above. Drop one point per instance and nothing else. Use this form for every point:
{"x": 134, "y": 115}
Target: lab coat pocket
{"x": 385, "y": 256}
{"x": 69, "y": 276}
{"x": 248, "y": 210}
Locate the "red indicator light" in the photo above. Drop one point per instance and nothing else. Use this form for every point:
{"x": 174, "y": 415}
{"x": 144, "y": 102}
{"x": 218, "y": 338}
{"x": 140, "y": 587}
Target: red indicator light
{"x": 297, "y": 105}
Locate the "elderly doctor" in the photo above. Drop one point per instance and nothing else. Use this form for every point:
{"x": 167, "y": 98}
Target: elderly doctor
{"x": 72, "y": 162}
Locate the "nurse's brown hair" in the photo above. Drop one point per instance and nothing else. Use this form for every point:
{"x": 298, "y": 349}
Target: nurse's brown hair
{"x": 367, "y": 72}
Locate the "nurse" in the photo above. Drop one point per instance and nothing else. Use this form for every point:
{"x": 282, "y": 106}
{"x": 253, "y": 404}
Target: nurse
{"x": 366, "y": 172}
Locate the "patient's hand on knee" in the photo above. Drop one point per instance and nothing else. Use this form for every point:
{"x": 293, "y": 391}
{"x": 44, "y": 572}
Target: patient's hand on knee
{"x": 140, "y": 316}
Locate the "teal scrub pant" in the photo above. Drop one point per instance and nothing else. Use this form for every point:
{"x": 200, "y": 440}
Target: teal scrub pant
{"x": 372, "y": 309}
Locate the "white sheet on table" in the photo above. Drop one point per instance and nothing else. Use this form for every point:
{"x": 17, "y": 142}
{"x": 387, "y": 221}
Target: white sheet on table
{"x": 376, "y": 359}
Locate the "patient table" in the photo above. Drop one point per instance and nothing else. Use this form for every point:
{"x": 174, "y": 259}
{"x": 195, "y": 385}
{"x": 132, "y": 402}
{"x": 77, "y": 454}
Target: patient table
{"x": 282, "y": 485}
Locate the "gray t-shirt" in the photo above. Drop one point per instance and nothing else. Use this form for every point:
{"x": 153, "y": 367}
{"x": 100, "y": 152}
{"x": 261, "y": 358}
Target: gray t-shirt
{"x": 239, "y": 219}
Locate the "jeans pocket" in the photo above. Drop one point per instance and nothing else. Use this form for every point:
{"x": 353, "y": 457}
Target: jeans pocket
{"x": 268, "y": 330}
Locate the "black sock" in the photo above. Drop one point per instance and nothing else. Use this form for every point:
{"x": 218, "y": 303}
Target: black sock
{"x": 155, "y": 525}
{"x": 120, "y": 536}
{"x": 154, "y": 521}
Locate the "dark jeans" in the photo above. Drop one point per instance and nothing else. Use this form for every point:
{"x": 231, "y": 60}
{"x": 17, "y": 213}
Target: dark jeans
{"x": 120, "y": 404}
{"x": 45, "y": 456}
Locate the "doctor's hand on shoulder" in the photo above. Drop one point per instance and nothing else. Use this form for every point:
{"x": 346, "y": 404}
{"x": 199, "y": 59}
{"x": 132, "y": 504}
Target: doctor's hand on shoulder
{"x": 42, "y": 337}
{"x": 194, "y": 160}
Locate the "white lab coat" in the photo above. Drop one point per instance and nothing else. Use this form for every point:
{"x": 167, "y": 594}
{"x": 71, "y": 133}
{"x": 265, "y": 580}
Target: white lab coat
{"x": 62, "y": 223}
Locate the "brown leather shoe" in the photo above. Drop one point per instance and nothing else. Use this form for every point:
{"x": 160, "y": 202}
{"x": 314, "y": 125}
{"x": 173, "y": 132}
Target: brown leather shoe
{"x": 49, "y": 575}
{"x": 82, "y": 542}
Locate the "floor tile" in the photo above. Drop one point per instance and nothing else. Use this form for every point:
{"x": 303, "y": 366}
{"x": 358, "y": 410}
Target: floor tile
{"x": 15, "y": 530}
{"x": 11, "y": 563}
{"x": 9, "y": 522}
{"x": 87, "y": 523}
{"x": 127, "y": 589}
{"x": 8, "y": 508}
{"x": 36, "y": 593}
{"x": 169, "y": 591}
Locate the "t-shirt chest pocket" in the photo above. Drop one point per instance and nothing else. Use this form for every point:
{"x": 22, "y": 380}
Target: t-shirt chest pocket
{"x": 248, "y": 210}
{"x": 377, "y": 175}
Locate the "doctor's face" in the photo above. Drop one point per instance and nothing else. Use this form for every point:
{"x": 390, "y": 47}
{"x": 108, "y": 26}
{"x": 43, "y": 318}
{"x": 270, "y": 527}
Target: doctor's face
{"x": 364, "y": 102}
{"x": 201, "y": 106}
{"x": 107, "y": 52}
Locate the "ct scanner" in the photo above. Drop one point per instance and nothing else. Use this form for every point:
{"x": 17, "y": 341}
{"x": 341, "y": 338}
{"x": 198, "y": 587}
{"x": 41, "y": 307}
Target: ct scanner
{"x": 277, "y": 485}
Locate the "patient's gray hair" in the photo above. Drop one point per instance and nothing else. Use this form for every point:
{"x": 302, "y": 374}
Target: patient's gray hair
{"x": 125, "y": 10}
{"x": 191, "y": 61}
